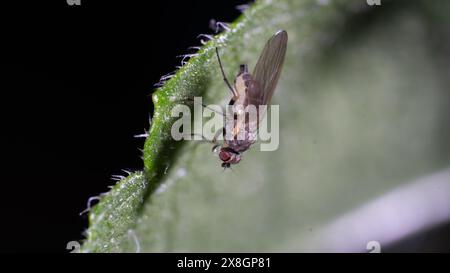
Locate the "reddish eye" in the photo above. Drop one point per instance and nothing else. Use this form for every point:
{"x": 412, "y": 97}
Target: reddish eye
{"x": 224, "y": 156}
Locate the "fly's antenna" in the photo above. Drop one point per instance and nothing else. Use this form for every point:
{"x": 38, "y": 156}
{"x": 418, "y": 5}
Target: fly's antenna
{"x": 223, "y": 74}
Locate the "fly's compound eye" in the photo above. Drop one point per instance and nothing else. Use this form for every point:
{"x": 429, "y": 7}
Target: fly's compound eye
{"x": 224, "y": 156}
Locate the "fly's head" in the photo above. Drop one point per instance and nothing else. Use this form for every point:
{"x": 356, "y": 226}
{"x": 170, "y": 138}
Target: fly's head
{"x": 227, "y": 155}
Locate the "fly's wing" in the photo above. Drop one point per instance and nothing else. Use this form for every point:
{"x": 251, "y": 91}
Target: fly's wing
{"x": 268, "y": 69}
{"x": 266, "y": 74}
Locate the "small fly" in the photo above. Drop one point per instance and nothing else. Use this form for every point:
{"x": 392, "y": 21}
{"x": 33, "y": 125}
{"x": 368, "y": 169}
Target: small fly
{"x": 251, "y": 89}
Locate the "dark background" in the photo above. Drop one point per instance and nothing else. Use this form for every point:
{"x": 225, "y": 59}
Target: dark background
{"x": 75, "y": 88}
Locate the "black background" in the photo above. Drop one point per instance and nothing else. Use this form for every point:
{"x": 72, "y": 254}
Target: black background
{"x": 76, "y": 85}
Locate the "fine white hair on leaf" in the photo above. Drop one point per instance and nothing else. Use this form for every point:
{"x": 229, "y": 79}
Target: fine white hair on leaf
{"x": 225, "y": 26}
{"x": 218, "y": 26}
{"x": 144, "y": 135}
{"x": 207, "y": 38}
{"x": 167, "y": 76}
{"x": 242, "y": 7}
{"x": 89, "y": 203}
{"x": 194, "y": 48}
{"x": 116, "y": 177}
{"x": 126, "y": 171}
{"x": 132, "y": 235}
{"x": 164, "y": 78}
{"x": 186, "y": 57}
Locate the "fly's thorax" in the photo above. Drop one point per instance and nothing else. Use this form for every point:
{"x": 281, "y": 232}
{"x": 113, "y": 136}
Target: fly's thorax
{"x": 240, "y": 145}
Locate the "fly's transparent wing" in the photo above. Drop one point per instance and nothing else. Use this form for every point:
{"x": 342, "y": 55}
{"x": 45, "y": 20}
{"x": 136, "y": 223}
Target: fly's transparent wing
{"x": 268, "y": 69}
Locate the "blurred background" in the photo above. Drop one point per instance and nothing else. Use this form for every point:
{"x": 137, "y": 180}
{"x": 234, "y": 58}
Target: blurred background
{"x": 76, "y": 88}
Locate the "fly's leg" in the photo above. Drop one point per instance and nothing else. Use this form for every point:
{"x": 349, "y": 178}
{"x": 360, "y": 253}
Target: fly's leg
{"x": 205, "y": 106}
{"x": 204, "y": 139}
{"x": 235, "y": 94}
{"x": 214, "y": 140}
{"x": 217, "y": 135}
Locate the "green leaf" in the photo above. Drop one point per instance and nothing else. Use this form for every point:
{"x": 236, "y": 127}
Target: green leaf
{"x": 110, "y": 220}
{"x": 364, "y": 109}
